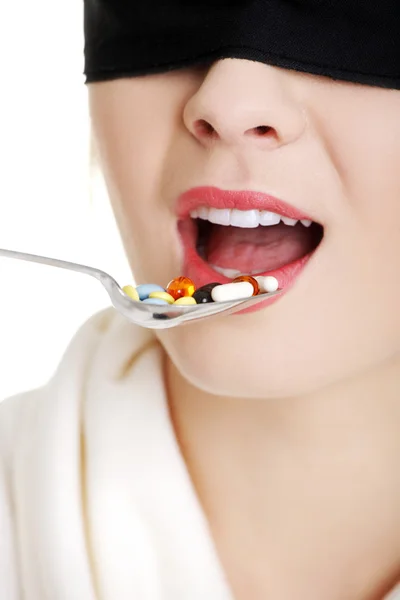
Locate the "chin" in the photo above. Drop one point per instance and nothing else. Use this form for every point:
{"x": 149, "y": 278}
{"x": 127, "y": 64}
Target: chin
{"x": 242, "y": 357}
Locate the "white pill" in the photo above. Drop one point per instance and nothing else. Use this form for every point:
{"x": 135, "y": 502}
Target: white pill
{"x": 232, "y": 291}
{"x": 267, "y": 284}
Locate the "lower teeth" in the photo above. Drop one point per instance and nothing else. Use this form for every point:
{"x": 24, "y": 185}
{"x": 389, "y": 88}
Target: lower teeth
{"x": 231, "y": 273}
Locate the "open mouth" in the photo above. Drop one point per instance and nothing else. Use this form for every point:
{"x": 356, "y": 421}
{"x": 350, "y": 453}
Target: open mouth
{"x": 223, "y": 243}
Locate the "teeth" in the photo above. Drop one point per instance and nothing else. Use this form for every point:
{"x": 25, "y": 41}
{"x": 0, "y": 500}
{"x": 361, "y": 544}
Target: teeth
{"x": 288, "y": 221}
{"x": 269, "y": 218}
{"x": 230, "y": 273}
{"x": 219, "y": 217}
{"x": 202, "y": 212}
{"x": 243, "y": 218}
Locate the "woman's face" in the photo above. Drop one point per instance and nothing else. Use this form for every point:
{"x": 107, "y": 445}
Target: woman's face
{"x": 329, "y": 149}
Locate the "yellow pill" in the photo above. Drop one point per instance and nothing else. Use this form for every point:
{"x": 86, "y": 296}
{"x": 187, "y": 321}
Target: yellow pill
{"x": 130, "y": 291}
{"x": 162, "y": 296}
{"x": 185, "y": 301}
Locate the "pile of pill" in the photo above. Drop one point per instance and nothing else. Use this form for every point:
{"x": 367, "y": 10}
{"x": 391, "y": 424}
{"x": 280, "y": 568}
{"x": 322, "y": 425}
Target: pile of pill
{"x": 182, "y": 291}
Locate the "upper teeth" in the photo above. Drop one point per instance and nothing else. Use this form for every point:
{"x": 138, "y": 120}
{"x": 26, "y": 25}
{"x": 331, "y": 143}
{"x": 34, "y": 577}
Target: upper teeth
{"x": 243, "y": 218}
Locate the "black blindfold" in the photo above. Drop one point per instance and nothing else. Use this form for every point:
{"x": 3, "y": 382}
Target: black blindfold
{"x": 351, "y": 40}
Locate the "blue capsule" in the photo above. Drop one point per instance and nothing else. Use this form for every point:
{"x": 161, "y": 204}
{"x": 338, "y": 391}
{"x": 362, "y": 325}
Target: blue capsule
{"x": 146, "y": 289}
{"x": 156, "y": 301}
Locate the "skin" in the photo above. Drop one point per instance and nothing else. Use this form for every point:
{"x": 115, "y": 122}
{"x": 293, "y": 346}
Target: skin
{"x": 300, "y": 400}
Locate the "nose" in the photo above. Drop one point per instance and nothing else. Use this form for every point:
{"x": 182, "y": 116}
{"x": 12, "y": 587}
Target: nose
{"x": 245, "y": 102}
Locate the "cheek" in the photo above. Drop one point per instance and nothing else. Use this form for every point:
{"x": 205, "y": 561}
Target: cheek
{"x": 151, "y": 255}
{"x": 366, "y": 245}
{"x": 134, "y": 125}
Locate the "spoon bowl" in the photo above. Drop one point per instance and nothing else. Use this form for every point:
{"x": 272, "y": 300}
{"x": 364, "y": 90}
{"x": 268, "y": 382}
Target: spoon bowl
{"x": 146, "y": 315}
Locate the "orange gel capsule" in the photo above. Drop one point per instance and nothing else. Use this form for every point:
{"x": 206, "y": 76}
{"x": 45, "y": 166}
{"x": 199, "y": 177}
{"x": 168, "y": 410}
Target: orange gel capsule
{"x": 251, "y": 280}
{"x": 181, "y": 287}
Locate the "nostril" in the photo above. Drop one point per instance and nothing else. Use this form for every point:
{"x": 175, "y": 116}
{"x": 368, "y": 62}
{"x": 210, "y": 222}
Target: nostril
{"x": 260, "y": 131}
{"x": 263, "y": 129}
{"x": 204, "y": 129}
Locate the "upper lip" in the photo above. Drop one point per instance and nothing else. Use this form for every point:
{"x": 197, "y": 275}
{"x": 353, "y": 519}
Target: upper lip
{"x": 240, "y": 199}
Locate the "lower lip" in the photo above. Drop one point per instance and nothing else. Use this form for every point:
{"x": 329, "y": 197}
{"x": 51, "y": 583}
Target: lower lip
{"x": 200, "y": 272}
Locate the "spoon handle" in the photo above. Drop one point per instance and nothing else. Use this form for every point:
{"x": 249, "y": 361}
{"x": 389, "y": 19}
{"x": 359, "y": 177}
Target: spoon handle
{"x": 109, "y": 283}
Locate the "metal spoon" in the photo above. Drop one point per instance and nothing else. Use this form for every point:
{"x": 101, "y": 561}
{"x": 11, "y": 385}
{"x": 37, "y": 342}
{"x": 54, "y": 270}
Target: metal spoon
{"x": 145, "y": 315}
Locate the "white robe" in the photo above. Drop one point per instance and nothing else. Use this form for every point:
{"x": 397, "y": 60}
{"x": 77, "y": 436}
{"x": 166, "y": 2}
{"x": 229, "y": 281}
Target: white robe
{"x": 95, "y": 499}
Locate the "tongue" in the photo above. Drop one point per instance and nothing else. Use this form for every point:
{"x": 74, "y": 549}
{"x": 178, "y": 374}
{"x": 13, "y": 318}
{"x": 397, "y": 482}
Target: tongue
{"x": 258, "y": 250}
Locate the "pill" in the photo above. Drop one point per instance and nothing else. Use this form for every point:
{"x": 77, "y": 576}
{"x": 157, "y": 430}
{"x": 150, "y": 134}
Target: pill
{"x": 162, "y": 296}
{"x": 203, "y": 294}
{"x": 180, "y": 287}
{"x": 185, "y": 301}
{"x": 250, "y": 279}
{"x": 160, "y": 316}
{"x": 156, "y": 301}
{"x": 232, "y": 291}
{"x": 268, "y": 284}
{"x": 145, "y": 289}
{"x": 130, "y": 291}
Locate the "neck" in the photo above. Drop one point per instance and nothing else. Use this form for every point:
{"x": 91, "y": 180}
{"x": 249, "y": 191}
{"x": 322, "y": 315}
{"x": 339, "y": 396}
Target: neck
{"x": 321, "y": 468}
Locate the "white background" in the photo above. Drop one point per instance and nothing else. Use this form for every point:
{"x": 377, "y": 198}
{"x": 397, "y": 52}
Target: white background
{"x": 49, "y": 204}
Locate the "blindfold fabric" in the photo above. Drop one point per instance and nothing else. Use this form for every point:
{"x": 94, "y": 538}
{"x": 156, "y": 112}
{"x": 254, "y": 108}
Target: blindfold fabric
{"x": 351, "y": 40}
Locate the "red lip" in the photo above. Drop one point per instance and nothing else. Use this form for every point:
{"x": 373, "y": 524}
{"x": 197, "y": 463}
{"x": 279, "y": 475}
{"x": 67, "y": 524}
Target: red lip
{"x": 195, "y": 267}
{"x": 242, "y": 200}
